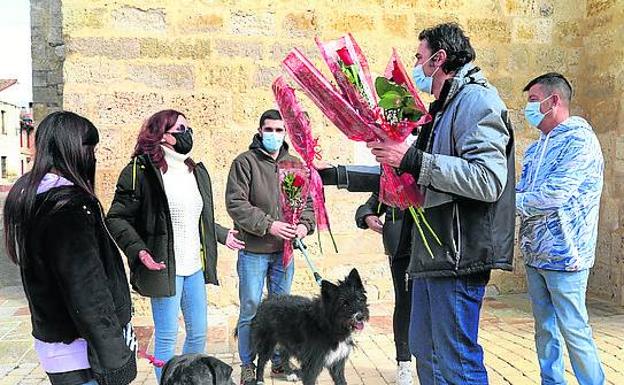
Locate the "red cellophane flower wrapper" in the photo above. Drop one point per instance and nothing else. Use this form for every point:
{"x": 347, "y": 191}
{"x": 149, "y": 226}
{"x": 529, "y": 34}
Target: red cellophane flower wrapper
{"x": 402, "y": 190}
{"x": 350, "y": 69}
{"x": 395, "y": 71}
{"x": 357, "y": 94}
{"x": 294, "y": 191}
{"x": 326, "y": 97}
{"x": 300, "y": 135}
{"x": 357, "y": 112}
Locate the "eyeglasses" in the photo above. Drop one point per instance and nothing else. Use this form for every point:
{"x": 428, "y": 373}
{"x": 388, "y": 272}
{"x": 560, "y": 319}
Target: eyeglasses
{"x": 182, "y": 129}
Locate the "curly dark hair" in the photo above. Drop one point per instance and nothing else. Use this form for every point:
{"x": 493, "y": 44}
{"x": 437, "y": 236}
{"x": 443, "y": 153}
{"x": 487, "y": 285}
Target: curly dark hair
{"x": 451, "y": 38}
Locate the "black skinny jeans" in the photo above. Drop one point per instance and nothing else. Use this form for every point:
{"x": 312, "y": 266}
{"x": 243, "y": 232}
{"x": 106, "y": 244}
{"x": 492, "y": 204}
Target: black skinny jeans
{"x": 402, "y": 307}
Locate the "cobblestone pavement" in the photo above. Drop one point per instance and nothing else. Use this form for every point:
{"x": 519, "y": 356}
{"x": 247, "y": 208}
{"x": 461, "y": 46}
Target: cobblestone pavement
{"x": 506, "y": 334}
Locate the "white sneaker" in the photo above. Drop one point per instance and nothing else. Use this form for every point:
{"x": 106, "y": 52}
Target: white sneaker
{"x": 404, "y": 373}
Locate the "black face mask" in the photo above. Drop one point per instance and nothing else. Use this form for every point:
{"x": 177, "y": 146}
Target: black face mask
{"x": 184, "y": 141}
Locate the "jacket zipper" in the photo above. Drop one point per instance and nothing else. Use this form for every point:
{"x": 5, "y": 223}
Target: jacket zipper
{"x": 202, "y": 228}
{"x": 406, "y": 281}
{"x": 457, "y": 244}
{"x": 539, "y": 161}
{"x": 170, "y": 245}
{"x": 106, "y": 227}
{"x": 202, "y": 232}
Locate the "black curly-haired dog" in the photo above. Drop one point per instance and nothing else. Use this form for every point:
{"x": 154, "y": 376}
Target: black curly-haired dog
{"x": 317, "y": 332}
{"x": 196, "y": 369}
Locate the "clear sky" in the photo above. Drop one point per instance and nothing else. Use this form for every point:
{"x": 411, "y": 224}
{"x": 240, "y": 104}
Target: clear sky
{"x": 15, "y": 60}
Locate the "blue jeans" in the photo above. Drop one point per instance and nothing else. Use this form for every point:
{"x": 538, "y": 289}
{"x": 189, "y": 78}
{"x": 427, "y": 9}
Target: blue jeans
{"x": 558, "y": 302}
{"x": 253, "y": 269}
{"x": 92, "y": 382}
{"x": 444, "y": 326}
{"x": 191, "y": 298}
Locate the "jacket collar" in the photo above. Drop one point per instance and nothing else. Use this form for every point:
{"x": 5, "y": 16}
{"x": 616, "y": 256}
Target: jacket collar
{"x": 468, "y": 74}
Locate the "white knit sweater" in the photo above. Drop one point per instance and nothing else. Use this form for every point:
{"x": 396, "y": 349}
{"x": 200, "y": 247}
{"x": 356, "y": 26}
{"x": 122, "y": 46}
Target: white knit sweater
{"x": 185, "y": 207}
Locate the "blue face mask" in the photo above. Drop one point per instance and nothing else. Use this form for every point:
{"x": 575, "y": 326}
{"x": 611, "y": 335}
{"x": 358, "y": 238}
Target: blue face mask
{"x": 272, "y": 141}
{"x": 532, "y": 112}
{"x": 423, "y": 82}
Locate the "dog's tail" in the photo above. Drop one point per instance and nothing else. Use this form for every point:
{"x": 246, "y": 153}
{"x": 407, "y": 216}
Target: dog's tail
{"x": 236, "y": 328}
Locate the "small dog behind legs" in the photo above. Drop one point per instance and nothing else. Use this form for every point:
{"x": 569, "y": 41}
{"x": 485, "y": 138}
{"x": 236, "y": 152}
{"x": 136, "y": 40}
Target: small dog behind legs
{"x": 196, "y": 369}
{"x": 316, "y": 332}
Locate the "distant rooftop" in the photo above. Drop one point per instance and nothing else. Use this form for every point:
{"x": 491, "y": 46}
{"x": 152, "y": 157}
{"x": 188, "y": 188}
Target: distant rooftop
{"x": 6, "y": 83}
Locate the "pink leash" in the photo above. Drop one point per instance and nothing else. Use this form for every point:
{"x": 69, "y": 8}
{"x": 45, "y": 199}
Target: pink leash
{"x": 153, "y": 360}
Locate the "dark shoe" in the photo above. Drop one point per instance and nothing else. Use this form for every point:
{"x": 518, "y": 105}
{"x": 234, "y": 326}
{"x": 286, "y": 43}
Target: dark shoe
{"x": 248, "y": 374}
{"x": 285, "y": 371}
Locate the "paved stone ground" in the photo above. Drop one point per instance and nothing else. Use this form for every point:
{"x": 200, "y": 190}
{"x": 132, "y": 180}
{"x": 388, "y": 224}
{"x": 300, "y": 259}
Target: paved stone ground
{"x": 506, "y": 334}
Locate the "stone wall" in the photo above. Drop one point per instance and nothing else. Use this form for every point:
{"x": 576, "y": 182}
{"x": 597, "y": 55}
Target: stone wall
{"x": 215, "y": 60}
{"x": 48, "y": 53}
{"x": 599, "y": 92}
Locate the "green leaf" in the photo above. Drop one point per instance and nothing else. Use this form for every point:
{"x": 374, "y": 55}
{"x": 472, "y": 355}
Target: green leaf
{"x": 408, "y": 101}
{"x": 383, "y": 86}
{"x": 412, "y": 115}
{"x": 390, "y": 100}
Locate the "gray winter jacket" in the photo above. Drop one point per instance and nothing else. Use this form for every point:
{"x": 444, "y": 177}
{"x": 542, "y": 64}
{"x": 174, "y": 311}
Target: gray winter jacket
{"x": 467, "y": 156}
{"x": 467, "y": 171}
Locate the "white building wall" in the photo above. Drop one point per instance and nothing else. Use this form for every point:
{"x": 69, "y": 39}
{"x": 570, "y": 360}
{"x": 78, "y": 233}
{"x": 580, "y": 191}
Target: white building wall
{"x": 9, "y": 141}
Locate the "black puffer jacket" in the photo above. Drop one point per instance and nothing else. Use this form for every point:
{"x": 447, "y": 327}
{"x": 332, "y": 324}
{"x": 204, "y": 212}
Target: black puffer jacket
{"x": 139, "y": 219}
{"x": 393, "y": 221}
{"x": 76, "y": 285}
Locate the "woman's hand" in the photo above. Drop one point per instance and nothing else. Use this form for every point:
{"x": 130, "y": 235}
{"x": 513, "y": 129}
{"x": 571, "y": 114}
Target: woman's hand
{"x": 374, "y": 223}
{"x": 147, "y": 260}
{"x": 322, "y": 165}
{"x": 232, "y": 242}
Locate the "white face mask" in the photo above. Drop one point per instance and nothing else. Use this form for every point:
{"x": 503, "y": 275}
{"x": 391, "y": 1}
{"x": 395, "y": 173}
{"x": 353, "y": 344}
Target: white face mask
{"x": 423, "y": 82}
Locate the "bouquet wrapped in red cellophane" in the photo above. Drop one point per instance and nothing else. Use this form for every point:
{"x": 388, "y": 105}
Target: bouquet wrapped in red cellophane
{"x": 300, "y": 133}
{"x": 294, "y": 190}
{"x": 400, "y": 112}
{"x": 363, "y": 111}
{"x": 357, "y": 108}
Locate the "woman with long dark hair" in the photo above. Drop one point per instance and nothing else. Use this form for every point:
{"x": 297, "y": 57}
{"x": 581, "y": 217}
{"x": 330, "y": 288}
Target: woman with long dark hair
{"x": 162, "y": 217}
{"x": 71, "y": 269}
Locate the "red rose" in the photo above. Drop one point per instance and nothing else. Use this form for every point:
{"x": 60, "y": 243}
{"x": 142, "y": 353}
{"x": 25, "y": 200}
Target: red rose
{"x": 397, "y": 75}
{"x": 343, "y": 54}
{"x": 299, "y": 181}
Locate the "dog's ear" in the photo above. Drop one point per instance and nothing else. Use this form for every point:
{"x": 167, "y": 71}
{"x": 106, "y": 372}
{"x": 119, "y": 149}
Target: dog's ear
{"x": 355, "y": 280}
{"x": 328, "y": 290}
{"x": 222, "y": 371}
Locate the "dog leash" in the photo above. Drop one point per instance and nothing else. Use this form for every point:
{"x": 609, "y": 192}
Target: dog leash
{"x": 152, "y": 360}
{"x": 304, "y": 251}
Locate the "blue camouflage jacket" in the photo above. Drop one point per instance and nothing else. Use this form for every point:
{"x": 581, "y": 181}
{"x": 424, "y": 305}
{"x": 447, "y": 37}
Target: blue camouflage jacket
{"x": 558, "y": 198}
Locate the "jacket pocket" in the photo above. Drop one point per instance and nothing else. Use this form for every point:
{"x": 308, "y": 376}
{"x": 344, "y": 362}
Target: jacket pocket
{"x": 476, "y": 249}
{"x": 157, "y": 245}
{"x": 427, "y": 254}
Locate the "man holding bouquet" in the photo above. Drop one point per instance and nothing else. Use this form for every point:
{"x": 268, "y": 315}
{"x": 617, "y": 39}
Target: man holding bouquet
{"x": 252, "y": 200}
{"x": 464, "y": 162}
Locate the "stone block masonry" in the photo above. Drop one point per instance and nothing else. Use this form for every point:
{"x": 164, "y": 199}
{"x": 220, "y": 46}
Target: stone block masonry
{"x": 117, "y": 62}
